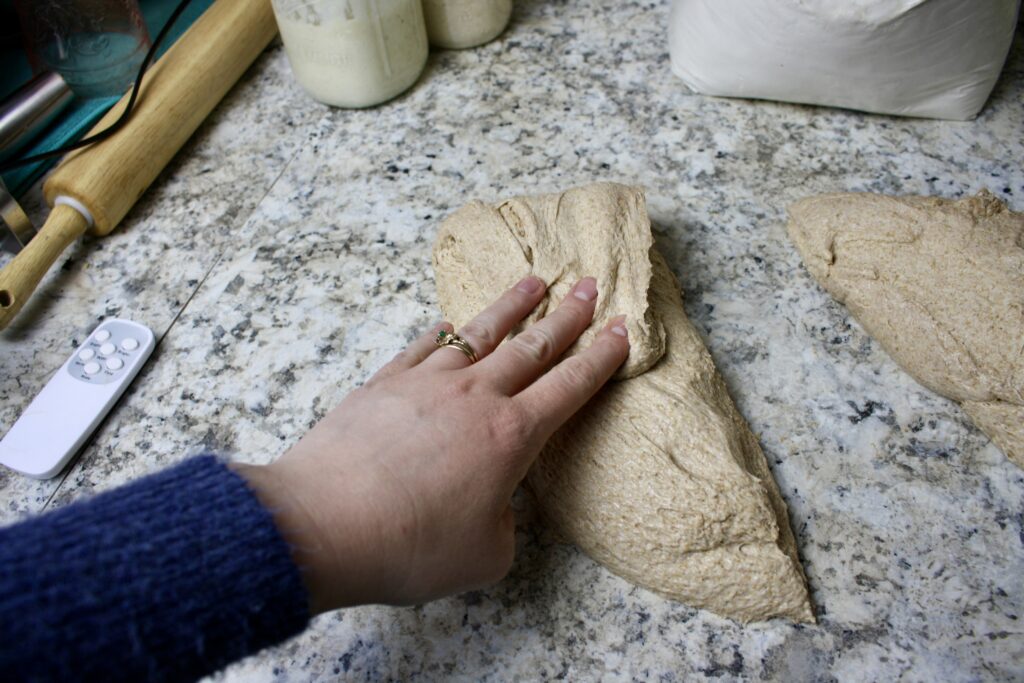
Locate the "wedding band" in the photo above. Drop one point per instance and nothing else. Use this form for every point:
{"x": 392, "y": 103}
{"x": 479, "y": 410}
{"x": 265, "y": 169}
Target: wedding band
{"x": 452, "y": 340}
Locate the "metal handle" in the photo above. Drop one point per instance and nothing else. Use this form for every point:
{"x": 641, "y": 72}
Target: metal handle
{"x": 31, "y": 108}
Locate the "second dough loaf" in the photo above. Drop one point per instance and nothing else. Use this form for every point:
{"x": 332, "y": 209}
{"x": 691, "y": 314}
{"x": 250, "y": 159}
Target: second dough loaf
{"x": 940, "y": 284}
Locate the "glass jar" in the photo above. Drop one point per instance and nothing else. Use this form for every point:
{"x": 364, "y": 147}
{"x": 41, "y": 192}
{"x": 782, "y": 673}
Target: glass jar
{"x": 353, "y": 53}
{"x": 465, "y": 23}
{"x": 97, "y": 46}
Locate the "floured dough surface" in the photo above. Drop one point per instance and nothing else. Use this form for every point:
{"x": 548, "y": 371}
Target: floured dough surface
{"x": 658, "y": 478}
{"x": 940, "y": 284}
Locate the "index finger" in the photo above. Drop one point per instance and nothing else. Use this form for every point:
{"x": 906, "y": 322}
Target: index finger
{"x": 519, "y": 361}
{"x": 484, "y": 332}
{"x": 567, "y": 387}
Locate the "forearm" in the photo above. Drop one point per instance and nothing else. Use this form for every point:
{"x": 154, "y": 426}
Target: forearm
{"x": 169, "y": 578}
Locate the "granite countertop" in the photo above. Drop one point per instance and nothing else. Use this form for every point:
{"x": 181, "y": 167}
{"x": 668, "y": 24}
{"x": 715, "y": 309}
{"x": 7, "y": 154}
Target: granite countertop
{"x": 285, "y": 255}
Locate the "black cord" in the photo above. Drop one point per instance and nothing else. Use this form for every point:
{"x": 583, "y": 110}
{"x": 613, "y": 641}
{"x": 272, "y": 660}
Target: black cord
{"x": 121, "y": 120}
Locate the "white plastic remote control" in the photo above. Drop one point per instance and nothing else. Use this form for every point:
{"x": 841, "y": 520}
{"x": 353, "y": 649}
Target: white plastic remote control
{"x": 67, "y": 410}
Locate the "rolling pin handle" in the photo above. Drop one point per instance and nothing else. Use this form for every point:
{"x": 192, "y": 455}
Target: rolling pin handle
{"x": 19, "y": 277}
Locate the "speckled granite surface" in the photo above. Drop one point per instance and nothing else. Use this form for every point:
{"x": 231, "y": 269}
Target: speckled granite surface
{"x": 285, "y": 255}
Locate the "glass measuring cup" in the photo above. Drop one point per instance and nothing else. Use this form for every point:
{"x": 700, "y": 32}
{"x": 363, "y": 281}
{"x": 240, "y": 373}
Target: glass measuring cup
{"x": 95, "y": 45}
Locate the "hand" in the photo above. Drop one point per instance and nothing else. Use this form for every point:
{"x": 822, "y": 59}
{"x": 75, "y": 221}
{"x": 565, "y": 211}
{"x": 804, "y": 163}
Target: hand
{"x": 402, "y": 493}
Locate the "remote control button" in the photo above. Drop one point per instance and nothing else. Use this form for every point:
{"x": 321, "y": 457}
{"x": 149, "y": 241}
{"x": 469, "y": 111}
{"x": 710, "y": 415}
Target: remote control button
{"x": 102, "y": 335}
{"x": 129, "y": 344}
{"x": 114, "y": 364}
{"x": 107, "y": 349}
{"x": 86, "y": 354}
{"x": 92, "y": 368}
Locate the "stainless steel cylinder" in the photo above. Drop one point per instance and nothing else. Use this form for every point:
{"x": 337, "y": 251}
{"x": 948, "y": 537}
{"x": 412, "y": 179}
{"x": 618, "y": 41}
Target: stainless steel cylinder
{"x": 31, "y": 108}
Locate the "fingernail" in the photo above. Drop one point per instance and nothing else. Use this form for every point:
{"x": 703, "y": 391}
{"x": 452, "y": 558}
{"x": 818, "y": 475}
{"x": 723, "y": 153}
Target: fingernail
{"x": 619, "y": 327}
{"x": 529, "y": 285}
{"x": 586, "y": 289}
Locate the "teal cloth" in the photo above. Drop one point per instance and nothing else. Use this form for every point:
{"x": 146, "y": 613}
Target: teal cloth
{"x": 81, "y": 114}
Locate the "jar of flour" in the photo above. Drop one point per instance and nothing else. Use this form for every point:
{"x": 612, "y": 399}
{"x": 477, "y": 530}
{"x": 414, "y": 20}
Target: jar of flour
{"x": 353, "y": 53}
{"x": 465, "y": 23}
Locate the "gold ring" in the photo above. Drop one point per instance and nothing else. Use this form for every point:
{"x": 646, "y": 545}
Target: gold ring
{"x": 450, "y": 339}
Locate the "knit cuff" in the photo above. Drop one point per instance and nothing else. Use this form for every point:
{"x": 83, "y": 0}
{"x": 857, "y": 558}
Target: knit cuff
{"x": 170, "y": 577}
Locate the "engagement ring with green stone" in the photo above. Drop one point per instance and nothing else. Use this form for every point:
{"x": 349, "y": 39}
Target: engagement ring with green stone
{"x": 448, "y": 339}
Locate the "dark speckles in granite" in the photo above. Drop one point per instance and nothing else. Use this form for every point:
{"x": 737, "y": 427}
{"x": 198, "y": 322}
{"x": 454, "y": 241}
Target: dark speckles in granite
{"x": 285, "y": 256}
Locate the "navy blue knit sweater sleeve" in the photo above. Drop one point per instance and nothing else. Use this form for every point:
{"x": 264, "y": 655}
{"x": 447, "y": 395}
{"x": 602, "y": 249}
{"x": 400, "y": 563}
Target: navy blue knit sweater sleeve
{"x": 165, "y": 579}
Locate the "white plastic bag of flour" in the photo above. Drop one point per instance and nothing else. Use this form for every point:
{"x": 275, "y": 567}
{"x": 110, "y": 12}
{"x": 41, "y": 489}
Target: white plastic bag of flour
{"x": 933, "y": 58}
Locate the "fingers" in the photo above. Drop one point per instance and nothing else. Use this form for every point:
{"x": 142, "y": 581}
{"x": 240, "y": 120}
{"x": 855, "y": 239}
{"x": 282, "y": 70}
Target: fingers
{"x": 519, "y": 362}
{"x": 556, "y": 396}
{"x": 413, "y": 354}
{"x": 485, "y": 331}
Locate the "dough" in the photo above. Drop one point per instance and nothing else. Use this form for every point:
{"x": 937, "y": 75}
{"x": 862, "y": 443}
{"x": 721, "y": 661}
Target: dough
{"x": 940, "y": 284}
{"x": 659, "y": 478}
{"x": 602, "y": 231}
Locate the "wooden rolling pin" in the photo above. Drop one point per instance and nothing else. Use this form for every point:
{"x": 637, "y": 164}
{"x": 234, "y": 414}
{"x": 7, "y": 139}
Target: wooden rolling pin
{"x": 106, "y": 178}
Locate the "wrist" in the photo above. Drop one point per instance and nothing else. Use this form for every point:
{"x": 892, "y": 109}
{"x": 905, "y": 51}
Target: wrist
{"x": 272, "y": 487}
